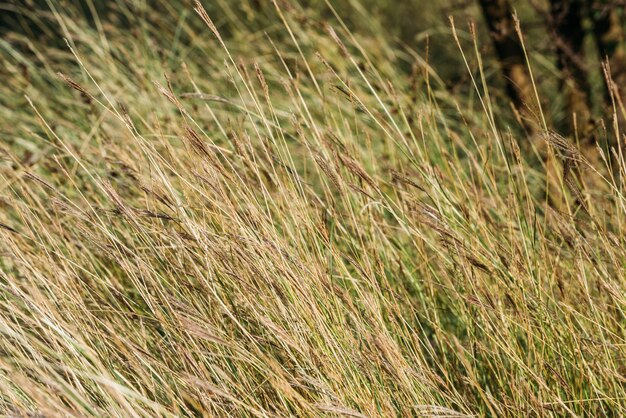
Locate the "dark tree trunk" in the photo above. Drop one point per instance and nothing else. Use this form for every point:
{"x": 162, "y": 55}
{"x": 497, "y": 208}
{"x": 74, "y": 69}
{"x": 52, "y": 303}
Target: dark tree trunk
{"x": 499, "y": 18}
{"x": 608, "y": 28}
{"x": 568, "y": 34}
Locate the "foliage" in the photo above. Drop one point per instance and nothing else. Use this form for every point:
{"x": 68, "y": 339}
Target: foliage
{"x": 257, "y": 211}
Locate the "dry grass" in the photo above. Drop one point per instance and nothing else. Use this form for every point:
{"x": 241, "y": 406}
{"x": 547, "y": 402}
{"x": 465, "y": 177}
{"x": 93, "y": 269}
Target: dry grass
{"x": 202, "y": 219}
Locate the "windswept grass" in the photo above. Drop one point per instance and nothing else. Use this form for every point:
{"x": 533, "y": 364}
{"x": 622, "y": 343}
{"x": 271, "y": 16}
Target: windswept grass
{"x": 251, "y": 212}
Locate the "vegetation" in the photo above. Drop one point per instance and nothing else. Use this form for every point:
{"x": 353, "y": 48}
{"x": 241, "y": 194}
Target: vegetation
{"x": 296, "y": 209}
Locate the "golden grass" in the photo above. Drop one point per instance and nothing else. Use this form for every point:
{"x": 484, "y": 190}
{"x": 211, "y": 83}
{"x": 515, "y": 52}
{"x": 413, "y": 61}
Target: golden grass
{"x": 202, "y": 219}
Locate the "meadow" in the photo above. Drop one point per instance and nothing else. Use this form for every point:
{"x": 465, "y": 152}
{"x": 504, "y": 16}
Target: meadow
{"x": 291, "y": 208}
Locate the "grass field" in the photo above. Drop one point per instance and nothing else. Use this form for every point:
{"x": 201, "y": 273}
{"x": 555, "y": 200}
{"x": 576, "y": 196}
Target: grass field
{"x": 258, "y": 209}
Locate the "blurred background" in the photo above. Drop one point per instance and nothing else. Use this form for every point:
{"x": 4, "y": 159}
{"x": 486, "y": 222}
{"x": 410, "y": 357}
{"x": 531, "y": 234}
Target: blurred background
{"x": 566, "y": 40}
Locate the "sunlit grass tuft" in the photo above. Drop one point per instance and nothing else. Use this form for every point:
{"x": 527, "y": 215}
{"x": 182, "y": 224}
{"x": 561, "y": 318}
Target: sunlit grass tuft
{"x": 200, "y": 218}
